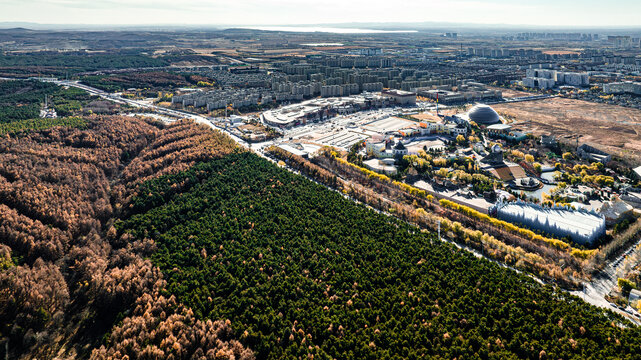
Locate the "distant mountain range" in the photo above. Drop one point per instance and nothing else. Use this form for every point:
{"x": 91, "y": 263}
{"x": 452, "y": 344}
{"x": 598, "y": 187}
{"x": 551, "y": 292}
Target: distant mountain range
{"x": 419, "y": 26}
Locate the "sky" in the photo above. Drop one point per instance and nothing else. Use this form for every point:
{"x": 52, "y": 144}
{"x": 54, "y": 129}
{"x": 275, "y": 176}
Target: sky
{"x": 579, "y": 13}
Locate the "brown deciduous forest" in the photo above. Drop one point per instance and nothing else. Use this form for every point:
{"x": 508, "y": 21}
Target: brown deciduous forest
{"x": 67, "y": 282}
{"x": 177, "y": 148}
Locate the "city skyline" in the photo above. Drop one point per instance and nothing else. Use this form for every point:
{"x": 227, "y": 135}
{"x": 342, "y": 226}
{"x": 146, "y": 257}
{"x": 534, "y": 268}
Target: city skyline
{"x": 224, "y": 13}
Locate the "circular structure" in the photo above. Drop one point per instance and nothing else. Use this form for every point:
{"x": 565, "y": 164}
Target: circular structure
{"x": 527, "y": 183}
{"x": 483, "y": 114}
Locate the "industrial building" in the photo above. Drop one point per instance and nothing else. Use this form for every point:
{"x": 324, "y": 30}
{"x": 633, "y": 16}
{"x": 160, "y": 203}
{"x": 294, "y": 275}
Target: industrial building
{"x": 582, "y": 226}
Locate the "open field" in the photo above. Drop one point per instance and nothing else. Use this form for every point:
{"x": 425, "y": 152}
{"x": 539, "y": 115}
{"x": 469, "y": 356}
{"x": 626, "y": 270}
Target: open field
{"x": 509, "y": 93}
{"x": 613, "y": 128}
{"x": 561, "y": 52}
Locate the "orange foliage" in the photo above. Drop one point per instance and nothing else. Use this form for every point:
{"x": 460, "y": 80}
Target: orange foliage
{"x": 162, "y": 329}
{"x": 178, "y": 147}
{"x": 57, "y": 187}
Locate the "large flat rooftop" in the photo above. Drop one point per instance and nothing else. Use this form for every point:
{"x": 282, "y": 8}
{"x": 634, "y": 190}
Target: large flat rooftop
{"x": 390, "y": 124}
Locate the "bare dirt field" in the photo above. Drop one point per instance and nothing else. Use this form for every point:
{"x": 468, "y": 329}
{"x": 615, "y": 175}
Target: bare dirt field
{"x": 613, "y": 128}
{"x": 509, "y": 93}
{"x": 560, "y": 52}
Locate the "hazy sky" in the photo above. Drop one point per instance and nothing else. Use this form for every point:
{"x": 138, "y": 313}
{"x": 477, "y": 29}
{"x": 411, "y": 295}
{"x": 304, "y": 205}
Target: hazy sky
{"x": 587, "y": 13}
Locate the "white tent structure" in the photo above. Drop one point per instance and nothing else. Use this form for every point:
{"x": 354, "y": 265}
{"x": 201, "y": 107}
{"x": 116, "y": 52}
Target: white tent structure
{"x": 582, "y": 226}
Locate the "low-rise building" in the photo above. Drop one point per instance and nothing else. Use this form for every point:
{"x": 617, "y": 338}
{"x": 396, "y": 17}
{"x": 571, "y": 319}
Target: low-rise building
{"x": 400, "y": 97}
{"x": 588, "y": 152}
{"x": 375, "y": 148}
{"x": 456, "y": 129}
{"x": 615, "y": 210}
{"x": 462, "y": 91}
{"x": 505, "y": 131}
{"x": 634, "y": 298}
{"x": 548, "y": 141}
{"x": 385, "y": 149}
{"x": 399, "y": 149}
{"x": 293, "y": 149}
{"x": 383, "y": 166}
{"x": 432, "y": 124}
{"x": 494, "y": 164}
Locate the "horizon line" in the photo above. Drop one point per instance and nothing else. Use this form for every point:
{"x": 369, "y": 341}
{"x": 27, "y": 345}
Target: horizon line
{"x": 4, "y": 25}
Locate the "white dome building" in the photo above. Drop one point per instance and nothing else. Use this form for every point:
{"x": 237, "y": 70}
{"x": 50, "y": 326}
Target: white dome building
{"x": 483, "y": 115}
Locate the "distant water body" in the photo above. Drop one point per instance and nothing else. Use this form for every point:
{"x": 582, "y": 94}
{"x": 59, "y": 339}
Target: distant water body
{"x": 323, "y": 44}
{"x": 328, "y": 30}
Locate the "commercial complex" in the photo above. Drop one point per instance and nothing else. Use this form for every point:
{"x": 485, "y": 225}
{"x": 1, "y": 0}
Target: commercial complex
{"x": 322, "y": 109}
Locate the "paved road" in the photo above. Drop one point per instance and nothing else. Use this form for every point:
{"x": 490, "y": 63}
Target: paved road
{"x": 595, "y": 291}
{"x": 143, "y": 105}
